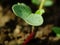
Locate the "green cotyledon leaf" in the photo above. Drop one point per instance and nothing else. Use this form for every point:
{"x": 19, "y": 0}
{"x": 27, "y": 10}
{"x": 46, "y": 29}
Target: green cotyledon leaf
{"x": 47, "y": 2}
{"x": 34, "y": 19}
{"x": 56, "y": 30}
{"x": 36, "y": 2}
{"x": 21, "y": 10}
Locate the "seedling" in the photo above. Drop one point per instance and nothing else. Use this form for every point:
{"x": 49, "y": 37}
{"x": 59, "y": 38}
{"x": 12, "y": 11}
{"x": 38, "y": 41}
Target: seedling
{"x": 23, "y": 11}
{"x": 35, "y": 19}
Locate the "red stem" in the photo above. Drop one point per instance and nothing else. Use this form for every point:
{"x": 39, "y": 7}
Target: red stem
{"x": 28, "y": 38}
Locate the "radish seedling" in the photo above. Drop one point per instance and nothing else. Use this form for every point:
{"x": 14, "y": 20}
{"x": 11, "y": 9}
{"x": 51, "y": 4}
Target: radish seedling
{"x": 23, "y": 11}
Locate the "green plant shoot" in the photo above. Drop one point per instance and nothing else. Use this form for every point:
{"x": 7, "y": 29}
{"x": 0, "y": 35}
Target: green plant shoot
{"x": 23, "y": 11}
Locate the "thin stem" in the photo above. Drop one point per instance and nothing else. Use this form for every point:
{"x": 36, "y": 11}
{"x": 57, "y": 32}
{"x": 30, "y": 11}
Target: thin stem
{"x": 42, "y": 3}
{"x": 32, "y": 28}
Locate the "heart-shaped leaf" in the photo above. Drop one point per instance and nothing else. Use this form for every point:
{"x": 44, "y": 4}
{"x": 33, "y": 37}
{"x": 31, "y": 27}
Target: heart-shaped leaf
{"x": 24, "y": 12}
{"x": 34, "y": 19}
{"x": 21, "y": 10}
